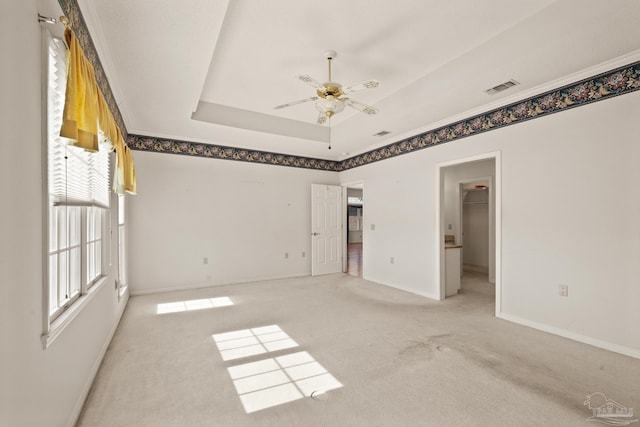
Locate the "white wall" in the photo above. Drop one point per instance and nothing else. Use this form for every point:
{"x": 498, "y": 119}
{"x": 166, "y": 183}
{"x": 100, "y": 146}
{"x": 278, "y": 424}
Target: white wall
{"x": 37, "y": 387}
{"x": 569, "y": 185}
{"x": 242, "y": 217}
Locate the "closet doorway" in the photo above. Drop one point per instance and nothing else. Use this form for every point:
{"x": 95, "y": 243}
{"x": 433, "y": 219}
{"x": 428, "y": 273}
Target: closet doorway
{"x": 475, "y": 225}
{"x": 468, "y": 222}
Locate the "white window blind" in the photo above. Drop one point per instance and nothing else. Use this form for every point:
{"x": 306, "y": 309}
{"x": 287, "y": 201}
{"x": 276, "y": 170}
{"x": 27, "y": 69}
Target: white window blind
{"x": 76, "y": 177}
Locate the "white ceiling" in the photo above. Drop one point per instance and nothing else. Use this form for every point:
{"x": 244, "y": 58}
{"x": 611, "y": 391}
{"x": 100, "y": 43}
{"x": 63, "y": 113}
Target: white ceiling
{"x": 231, "y": 62}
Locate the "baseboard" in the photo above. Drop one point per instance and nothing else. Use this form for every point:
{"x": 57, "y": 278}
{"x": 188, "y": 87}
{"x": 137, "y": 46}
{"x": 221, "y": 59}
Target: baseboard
{"x": 401, "y": 288}
{"x": 96, "y": 366}
{"x": 616, "y": 348}
{"x": 135, "y": 292}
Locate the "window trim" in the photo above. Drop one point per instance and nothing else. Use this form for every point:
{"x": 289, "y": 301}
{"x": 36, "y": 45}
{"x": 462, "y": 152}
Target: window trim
{"x": 55, "y": 328}
{"x": 52, "y": 328}
{"x": 122, "y": 281}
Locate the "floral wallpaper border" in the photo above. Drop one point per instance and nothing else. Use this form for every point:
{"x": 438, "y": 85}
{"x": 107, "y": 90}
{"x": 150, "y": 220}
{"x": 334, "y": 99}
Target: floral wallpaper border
{"x": 603, "y": 86}
{"x": 162, "y": 145}
{"x": 600, "y": 87}
{"x": 72, "y": 11}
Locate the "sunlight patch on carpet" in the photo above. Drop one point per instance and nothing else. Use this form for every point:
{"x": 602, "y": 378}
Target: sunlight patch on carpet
{"x": 196, "y": 304}
{"x": 250, "y": 342}
{"x": 275, "y": 381}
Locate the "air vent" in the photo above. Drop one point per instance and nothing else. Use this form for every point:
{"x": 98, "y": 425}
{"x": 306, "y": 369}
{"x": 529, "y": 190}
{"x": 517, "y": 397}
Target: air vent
{"x": 501, "y": 87}
{"x": 382, "y": 133}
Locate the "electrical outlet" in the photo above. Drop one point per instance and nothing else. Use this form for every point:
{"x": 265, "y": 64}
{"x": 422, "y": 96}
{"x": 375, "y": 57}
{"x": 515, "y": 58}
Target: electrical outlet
{"x": 286, "y": 255}
{"x": 373, "y": 227}
{"x": 205, "y": 260}
{"x": 450, "y": 227}
{"x": 563, "y": 290}
{"x": 392, "y": 260}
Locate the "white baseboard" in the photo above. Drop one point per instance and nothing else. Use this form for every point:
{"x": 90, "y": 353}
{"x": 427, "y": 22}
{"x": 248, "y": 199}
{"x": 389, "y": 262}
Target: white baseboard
{"x": 616, "y": 348}
{"x": 402, "y": 288}
{"x": 96, "y": 366}
{"x": 135, "y": 292}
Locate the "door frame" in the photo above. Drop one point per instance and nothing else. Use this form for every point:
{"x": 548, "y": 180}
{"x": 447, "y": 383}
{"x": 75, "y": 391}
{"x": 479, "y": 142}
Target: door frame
{"x": 345, "y": 226}
{"x": 440, "y": 222}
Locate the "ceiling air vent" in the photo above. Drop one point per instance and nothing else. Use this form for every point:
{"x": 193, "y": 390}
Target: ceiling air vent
{"x": 382, "y": 133}
{"x": 501, "y": 87}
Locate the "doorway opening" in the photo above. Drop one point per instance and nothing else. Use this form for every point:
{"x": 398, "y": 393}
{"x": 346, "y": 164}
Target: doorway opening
{"x": 468, "y": 221}
{"x": 354, "y": 229}
{"x": 476, "y": 211}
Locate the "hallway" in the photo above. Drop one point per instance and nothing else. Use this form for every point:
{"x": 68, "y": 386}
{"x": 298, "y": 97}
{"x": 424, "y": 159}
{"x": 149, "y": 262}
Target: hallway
{"x": 354, "y": 259}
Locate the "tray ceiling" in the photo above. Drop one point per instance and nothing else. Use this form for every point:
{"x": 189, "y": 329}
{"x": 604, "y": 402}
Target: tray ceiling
{"x": 211, "y": 71}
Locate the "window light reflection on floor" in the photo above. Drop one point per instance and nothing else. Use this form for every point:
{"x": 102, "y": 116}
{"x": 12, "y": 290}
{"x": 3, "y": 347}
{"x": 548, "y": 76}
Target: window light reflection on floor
{"x": 250, "y": 342}
{"x": 197, "y": 304}
{"x": 275, "y": 381}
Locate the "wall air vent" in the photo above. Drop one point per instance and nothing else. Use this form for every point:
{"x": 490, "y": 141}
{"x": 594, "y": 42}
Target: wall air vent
{"x": 501, "y": 87}
{"x": 382, "y": 133}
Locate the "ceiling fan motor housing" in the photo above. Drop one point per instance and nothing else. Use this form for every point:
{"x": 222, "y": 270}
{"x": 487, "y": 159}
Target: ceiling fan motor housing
{"x": 330, "y": 89}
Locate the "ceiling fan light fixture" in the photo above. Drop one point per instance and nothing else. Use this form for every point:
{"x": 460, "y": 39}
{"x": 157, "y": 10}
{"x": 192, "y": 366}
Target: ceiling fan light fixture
{"x": 330, "y": 105}
{"x": 330, "y": 99}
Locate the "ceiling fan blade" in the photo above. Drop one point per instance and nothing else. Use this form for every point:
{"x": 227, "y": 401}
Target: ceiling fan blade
{"x": 322, "y": 118}
{"x": 302, "y": 101}
{"x": 368, "y": 109}
{"x": 367, "y": 84}
{"x": 310, "y": 81}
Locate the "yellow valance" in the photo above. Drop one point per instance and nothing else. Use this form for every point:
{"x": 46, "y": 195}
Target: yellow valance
{"x": 125, "y": 175}
{"x": 86, "y": 113}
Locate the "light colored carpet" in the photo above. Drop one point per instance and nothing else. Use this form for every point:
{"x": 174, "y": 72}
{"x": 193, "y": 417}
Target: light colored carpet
{"x": 403, "y": 360}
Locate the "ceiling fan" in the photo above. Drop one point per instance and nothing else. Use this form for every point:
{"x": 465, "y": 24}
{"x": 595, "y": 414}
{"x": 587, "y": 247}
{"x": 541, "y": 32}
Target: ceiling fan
{"x": 331, "y": 96}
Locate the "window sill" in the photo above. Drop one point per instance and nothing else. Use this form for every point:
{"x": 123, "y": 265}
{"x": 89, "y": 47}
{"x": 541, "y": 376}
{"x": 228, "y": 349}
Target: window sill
{"x": 59, "y": 325}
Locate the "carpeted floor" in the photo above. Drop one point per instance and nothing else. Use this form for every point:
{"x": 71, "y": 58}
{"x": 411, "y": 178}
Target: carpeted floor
{"x": 401, "y": 360}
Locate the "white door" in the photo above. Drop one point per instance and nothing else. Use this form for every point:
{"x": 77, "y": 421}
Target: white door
{"x": 326, "y": 229}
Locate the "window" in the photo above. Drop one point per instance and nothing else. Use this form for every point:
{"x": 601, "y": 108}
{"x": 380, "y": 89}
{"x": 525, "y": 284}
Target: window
{"x": 78, "y": 201}
{"x": 354, "y": 201}
{"x": 122, "y": 257}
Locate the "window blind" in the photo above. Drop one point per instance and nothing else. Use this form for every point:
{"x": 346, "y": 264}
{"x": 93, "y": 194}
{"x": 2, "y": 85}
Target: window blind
{"x": 76, "y": 176}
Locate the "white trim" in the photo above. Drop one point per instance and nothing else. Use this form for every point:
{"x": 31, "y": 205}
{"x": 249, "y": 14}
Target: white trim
{"x": 134, "y": 292}
{"x": 439, "y": 232}
{"x": 439, "y": 223}
{"x": 627, "y": 351}
{"x": 65, "y": 318}
{"x": 122, "y": 291}
{"x": 44, "y": 158}
{"x": 77, "y": 409}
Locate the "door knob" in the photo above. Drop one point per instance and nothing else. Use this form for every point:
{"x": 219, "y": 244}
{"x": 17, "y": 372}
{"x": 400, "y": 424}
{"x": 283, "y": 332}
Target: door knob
{"x": 315, "y": 234}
